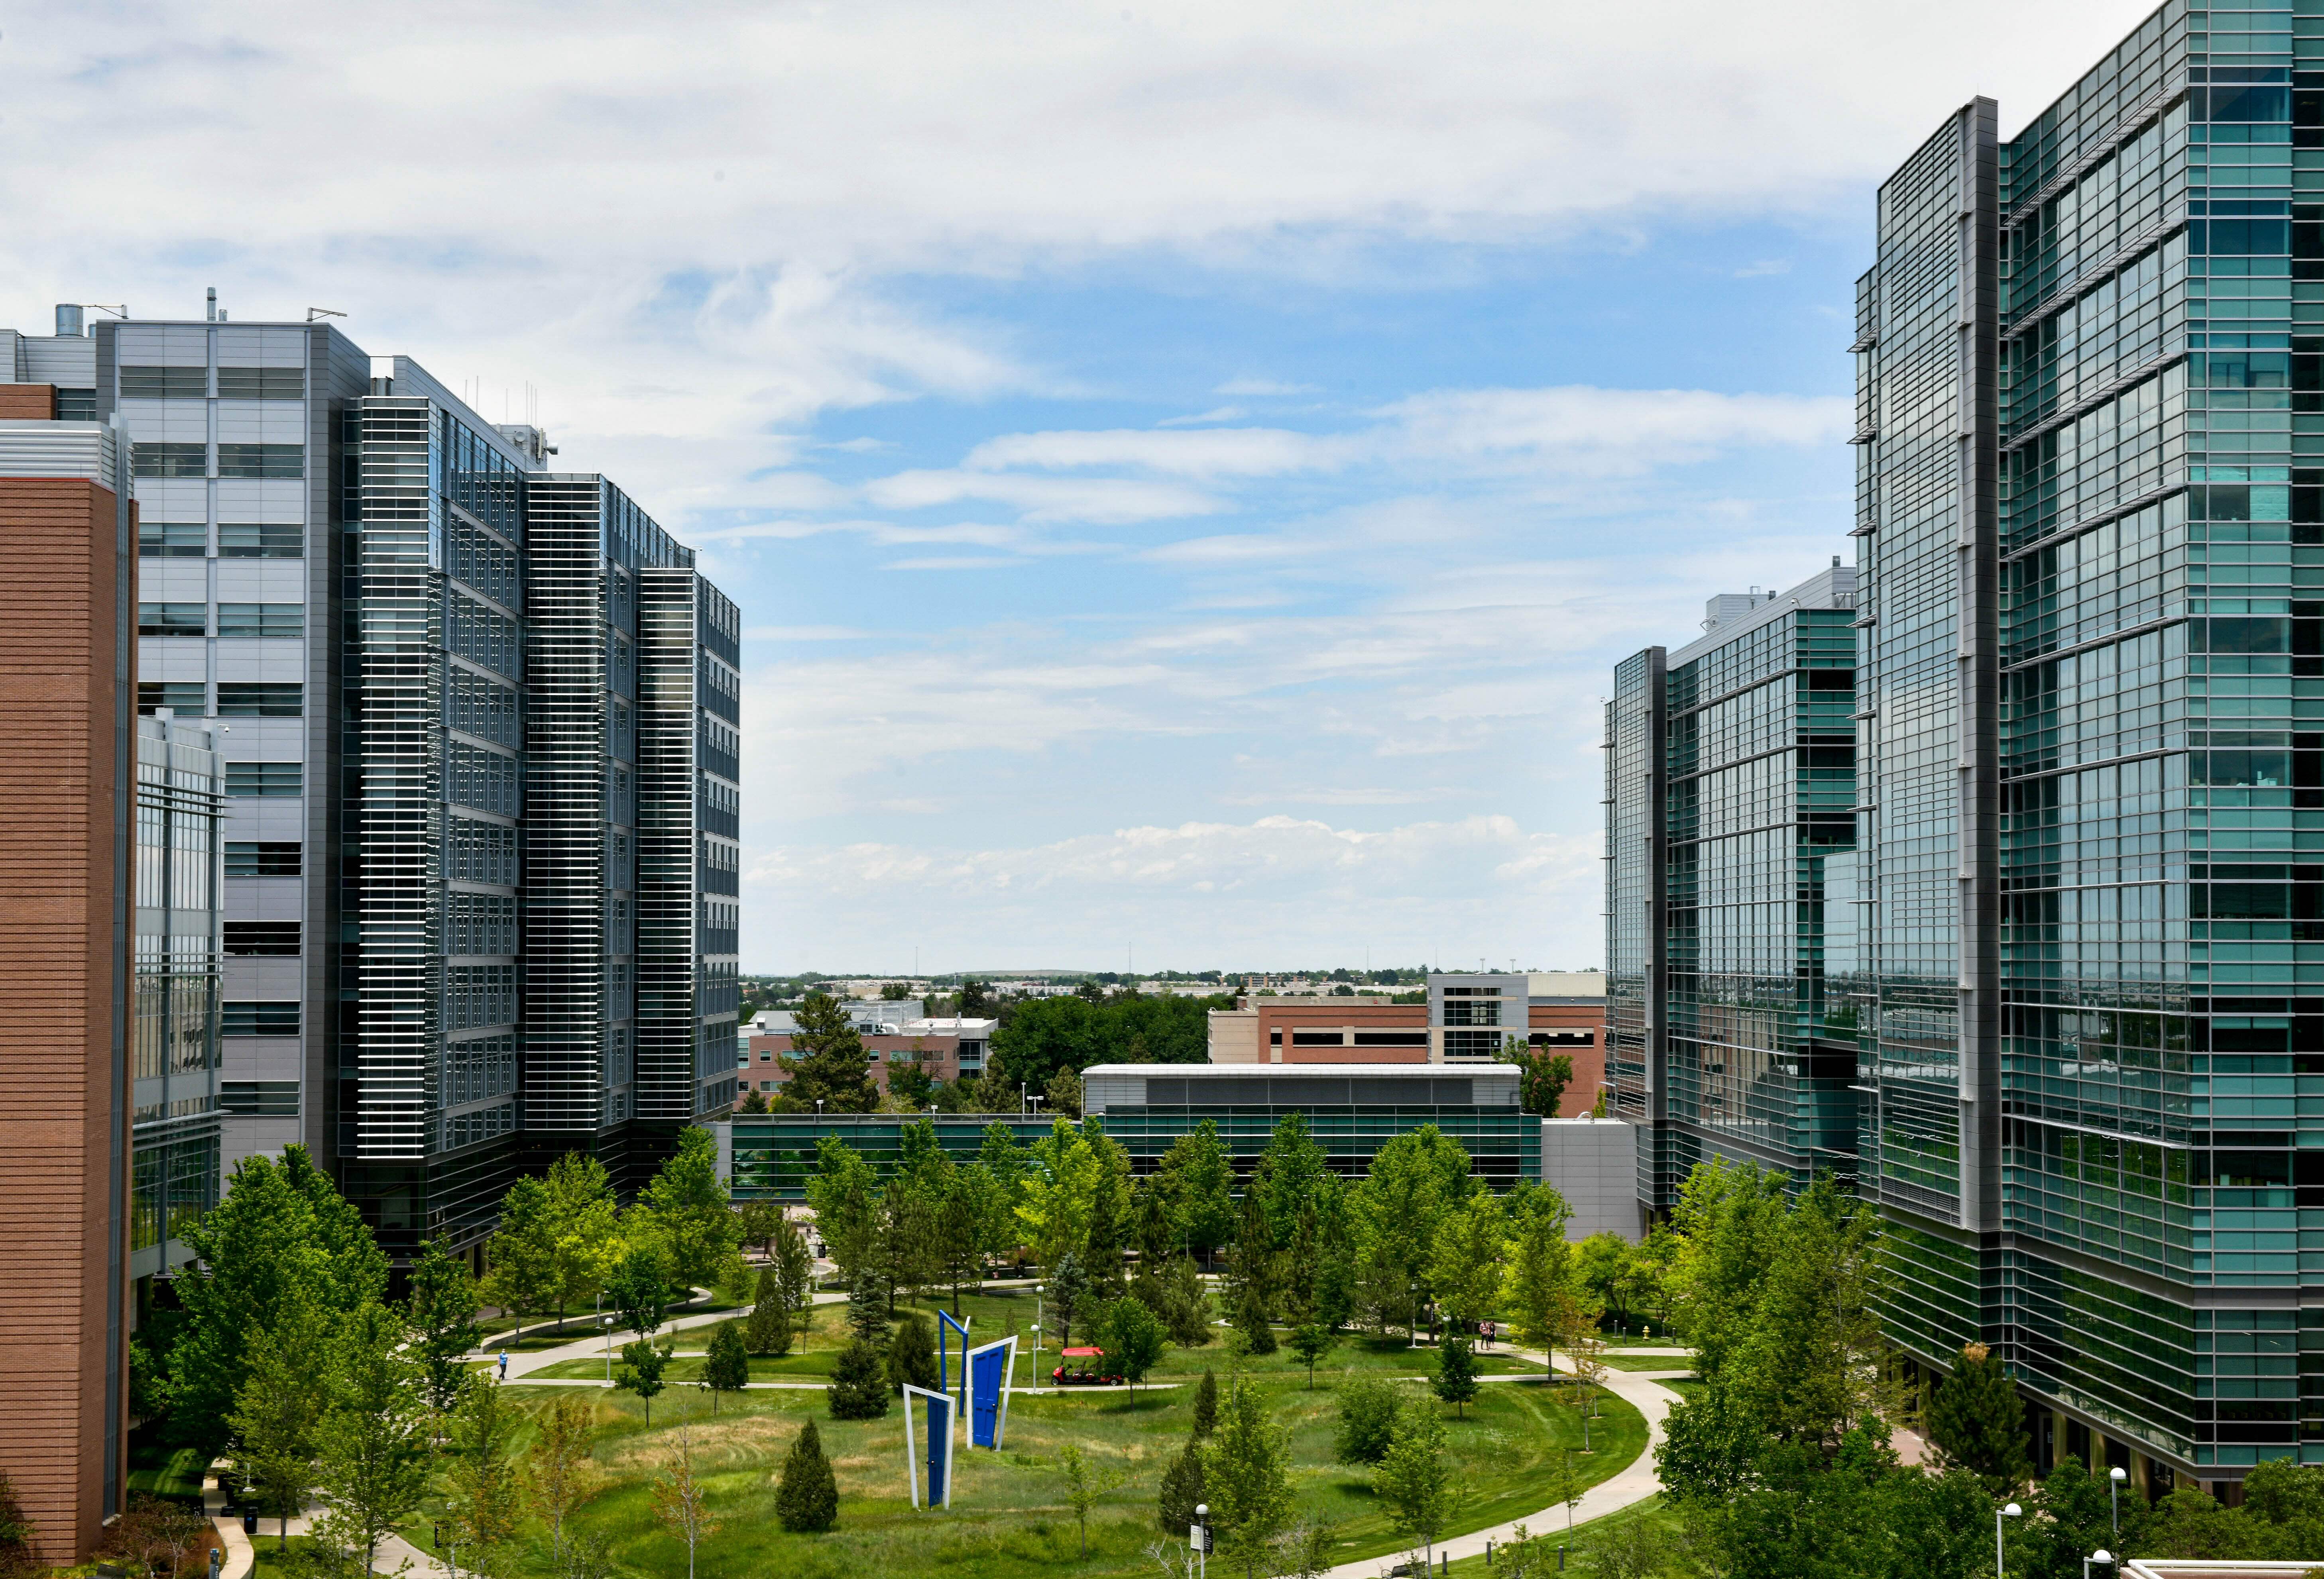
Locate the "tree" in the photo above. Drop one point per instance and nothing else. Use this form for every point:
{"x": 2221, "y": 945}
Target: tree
{"x": 442, "y": 1310}
{"x": 794, "y": 1270}
{"x": 688, "y": 1212}
{"x": 639, "y": 1290}
{"x": 1246, "y": 1466}
{"x": 827, "y": 1062}
{"x": 1465, "y": 1267}
{"x": 726, "y": 1368}
{"x": 912, "y": 1354}
{"x": 1455, "y": 1381}
{"x": 282, "y": 1231}
{"x": 1565, "y": 1487}
{"x": 859, "y": 1389}
{"x": 372, "y": 1460}
{"x": 279, "y": 1410}
{"x": 1978, "y": 1421}
{"x": 682, "y": 1503}
{"x": 770, "y": 1331}
{"x": 761, "y": 1221}
{"x": 1064, "y": 1093}
{"x": 1206, "y": 1405}
{"x": 1533, "y": 1282}
{"x": 1060, "y": 1192}
{"x": 1133, "y": 1340}
{"x": 1605, "y": 1268}
{"x": 1185, "y": 1304}
{"x": 1250, "y": 1321}
{"x": 19, "y": 1552}
{"x": 1068, "y": 1289}
{"x": 1413, "y": 1478}
{"x": 867, "y": 1310}
{"x": 806, "y": 1497}
{"x": 845, "y": 1195}
{"x": 1368, "y": 1406}
{"x": 643, "y": 1364}
{"x": 1086, "y": 1482}
{"x": 1182, "y": 1490}
{"x": 520, "y": 1257}
{"x": 1416, "y": 1179}
{"x": 1541, "y": 1078}
{"x": 584, "y": 1229}
{"x": 485, "y": 1493}
{"x": 158, "y": 1524}
{"x": 1197, "y": 1181}
{"x": 559, "y": 1463}
{"x": 1311, "y": 1342}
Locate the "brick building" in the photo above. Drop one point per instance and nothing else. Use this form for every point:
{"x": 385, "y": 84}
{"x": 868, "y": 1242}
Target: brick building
{"x": 945, "y": 1047}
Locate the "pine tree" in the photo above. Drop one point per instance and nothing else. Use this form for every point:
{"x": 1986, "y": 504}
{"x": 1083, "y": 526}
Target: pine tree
{"x": 867, "y": 1309}
{"x": 770, "y": 1330}
{"x": 1251, "y": 1320}
{"x": 1186, "y": 1306}
{"x": 806, "y": 1497}
{"x": 859, "y": 1389}
{"x": 1456, "y": 1372}
{"x": 912, "y": 1354}
{"x": 1182, "y": 1490}
{"x": 1206, "y": 1405}
{"x": 727, "y": 1366}
{"x": 1978, "y": 1421}
{"x": 1247, "y": 1468}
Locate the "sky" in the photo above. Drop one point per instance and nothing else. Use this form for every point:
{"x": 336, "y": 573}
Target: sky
{"x": 1188, "y": 472}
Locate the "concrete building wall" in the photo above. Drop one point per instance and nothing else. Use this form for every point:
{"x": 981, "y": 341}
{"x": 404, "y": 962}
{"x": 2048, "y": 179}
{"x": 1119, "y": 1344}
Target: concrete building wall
{"x": 1594, "y": 1164}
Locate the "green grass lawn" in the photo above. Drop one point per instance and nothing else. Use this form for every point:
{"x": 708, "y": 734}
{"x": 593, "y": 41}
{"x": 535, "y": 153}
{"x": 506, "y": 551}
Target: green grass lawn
{"x": 1659, "y": 1517}
{"x": 1010, "y": 1518}
{"x": 1615, "y": 1360}
{"x": 162, "y": 1471}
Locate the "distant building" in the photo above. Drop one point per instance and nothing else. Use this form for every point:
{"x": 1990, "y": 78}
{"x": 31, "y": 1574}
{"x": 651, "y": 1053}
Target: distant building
{"x": 1467, "y": 1019}
{"x": 945, "y": 1047}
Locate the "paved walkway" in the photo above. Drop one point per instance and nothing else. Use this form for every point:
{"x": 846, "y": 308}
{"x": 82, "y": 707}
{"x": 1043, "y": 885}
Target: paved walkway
{"x": 1633, "y": 1483}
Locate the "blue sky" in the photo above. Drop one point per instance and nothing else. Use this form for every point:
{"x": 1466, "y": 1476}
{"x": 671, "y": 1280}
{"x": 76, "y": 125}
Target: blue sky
{"x": 1188, "y": 472}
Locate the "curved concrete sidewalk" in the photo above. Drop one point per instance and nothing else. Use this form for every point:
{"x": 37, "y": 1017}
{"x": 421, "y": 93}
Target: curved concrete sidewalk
{"x": 1634, "y": 1482}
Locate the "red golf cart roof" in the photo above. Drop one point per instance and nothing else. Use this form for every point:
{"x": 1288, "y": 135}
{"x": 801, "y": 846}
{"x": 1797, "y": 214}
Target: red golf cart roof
{"x": 1083, "y": 1354}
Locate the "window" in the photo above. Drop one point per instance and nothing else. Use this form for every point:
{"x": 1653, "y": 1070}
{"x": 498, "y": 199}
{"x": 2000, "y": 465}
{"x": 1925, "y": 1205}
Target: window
{"x": 259, "y": 1098}
{"x": 1391, "y": 1039}
{"x": 164, "y": 383}
{"x": 75, "y": 405}
{"x": 264, "y": 778}
{"x": 172, "y": 540}
{"x": 262, "y": 937}
{"x": 1472, "y": 1044}
{"x": 247, "y": 699}
{"x": 173, "y": 618}
{"x": 262, "y": 459}
{"x": 261, "y": 540}
{"x": 260, "y": 1019}
{"x": 261, "y": 383}
{"x": 1317, "y": 1039}
{"x": 262, "y": 859}
{"x": 179, "y": 696}
{"x": 262, "y": 619}
{"x": 1471, "y": 1012}
{"x": 172, "y": 460}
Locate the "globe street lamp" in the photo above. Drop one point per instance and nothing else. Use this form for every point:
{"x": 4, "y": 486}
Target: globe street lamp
{"x": 2100, "y": 1556}
{"x": 2011, "y": 1511}
{"x": 2115, "y": 1477}
{"x": 607, "y": 1322}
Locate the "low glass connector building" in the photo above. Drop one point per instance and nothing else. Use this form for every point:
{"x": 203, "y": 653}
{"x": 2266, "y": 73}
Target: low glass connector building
{"x": 2091, "y": 513}
{"x": 1730, "y": 766}
{"x": 1351, "y": 1111}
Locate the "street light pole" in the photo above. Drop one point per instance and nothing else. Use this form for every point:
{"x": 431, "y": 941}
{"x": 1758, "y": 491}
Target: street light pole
{"x": 2100, "y": 1556}
{"x": 606, "y": 1323}
{"x": 2115, "y": 1477}
{"x": 2011, "y": 1511}
{"x": 1202, "y": 1546}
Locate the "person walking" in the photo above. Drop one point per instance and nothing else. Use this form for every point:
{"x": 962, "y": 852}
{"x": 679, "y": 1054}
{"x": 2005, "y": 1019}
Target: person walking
{"x": 504, "y": 1364}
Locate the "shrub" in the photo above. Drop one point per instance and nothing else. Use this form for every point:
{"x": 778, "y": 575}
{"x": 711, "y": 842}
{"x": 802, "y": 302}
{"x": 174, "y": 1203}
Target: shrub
{"x": 806, "y": 1497}
{"x": 912, "y": 1354}
{"x": 1368, "y": 1411}
{"x": 858, "y": 1387}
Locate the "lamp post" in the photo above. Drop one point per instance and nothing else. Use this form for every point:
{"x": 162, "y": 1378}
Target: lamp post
{"x": 1203, "y": 1535}
{"x": 2008, "y": 1510}
{"x": 606, "y": 1322}
{"x": 2100, "y": 1556}
{"x": 2115, "y": 1477}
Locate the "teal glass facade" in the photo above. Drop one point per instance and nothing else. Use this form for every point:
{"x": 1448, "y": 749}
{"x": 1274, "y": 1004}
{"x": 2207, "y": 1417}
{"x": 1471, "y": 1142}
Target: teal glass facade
{"x": 1730, "y": 789}
{"x": 2091, "y": 518}
{"x": 772, "y": 1156}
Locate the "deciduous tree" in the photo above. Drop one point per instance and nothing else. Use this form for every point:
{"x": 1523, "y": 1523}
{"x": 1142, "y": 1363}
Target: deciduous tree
{"x": 281, "y": 1408}
{"x": 682, "y": 1502}
{"x": 726, "y": 1368}
{"x": 442, "y": 1311}
{"x": 484, "y": 1488}
{"x": 1247, "y": 1467}
{"x": 1414, "y": 1479}
{"x": 559, "y": 1463}
{"x": 372, "y": 1438}
{"x": 643, "y": 1362}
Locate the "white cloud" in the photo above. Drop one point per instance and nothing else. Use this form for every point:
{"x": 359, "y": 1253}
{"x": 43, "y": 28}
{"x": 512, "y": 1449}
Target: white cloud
{"x": 1103, "y": 501}
{"x": 1216, "y": 414}
{"x": 1273, "y": 891}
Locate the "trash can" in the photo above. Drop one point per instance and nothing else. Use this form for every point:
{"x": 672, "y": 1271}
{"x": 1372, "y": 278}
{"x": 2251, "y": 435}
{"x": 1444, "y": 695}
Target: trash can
{"x": 249, "y": 1521}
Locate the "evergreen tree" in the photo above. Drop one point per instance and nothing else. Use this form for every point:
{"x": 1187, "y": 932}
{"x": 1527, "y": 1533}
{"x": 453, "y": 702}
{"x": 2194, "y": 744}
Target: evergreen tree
{"x": 1455, "y": 1381}
{"x": 1251, "y": 1274}
{"x": 1331, "y": 1300}
{"x": 727, "y": 1366}
{"x": 442, "y": 1310}
{"x": 1206, "y": 1405}
{"x": 912, "y": 1354}
{"x": 794, "y": 1270}
{"x": 806, "y": 1497}
{"x": 1068, "y": 1289}
{"x": 1108, "y": 1219}
{"x": 867, "y": 1310}
{"x": 1250, "y": 1320}
{"x": 770, "y": 1330}
{"x": 1182, "y": 1490}
{"x": 859, "y": 1389}
{"x": 1978, "y": 1421}
{"x": 826, "y": 1061}
{"x": 1247, "y": 1467}
{"x": 1186, "y": 1308}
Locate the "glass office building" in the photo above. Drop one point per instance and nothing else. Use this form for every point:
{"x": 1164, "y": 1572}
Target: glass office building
{"x": 2090, "y": 517}
{"x": 1731, "y": 769}
{"x": 430, "y": 661}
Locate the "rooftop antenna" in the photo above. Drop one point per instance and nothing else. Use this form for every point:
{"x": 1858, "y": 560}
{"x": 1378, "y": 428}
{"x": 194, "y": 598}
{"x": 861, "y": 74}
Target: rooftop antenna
{"x": 323, "y": 312}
